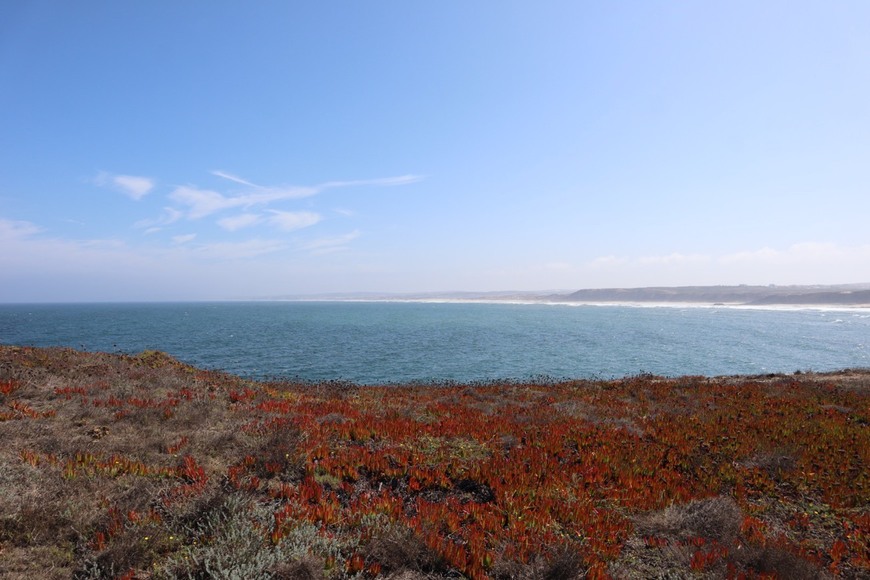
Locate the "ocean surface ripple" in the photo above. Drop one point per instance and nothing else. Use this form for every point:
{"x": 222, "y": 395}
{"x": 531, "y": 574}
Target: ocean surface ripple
{"x": 389, "y": 342}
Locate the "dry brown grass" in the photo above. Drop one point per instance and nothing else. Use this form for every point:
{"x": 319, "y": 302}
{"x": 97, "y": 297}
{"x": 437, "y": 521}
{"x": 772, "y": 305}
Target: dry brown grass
{"x": 400, "y": 550}
{"x": 716, "y": 518}
{"x": 716, "y": 521}
{"x": 559, "y": 564}
{"x": 42, "y": 513}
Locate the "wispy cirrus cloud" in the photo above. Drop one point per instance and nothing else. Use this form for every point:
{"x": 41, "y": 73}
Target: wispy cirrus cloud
{"x": 183, "y": 239}
{"x": 16, "y": 229}
{"x": 236, "y": 178}
{"x": 240, "y": 221}
{"x": 331, "y": 245}
{"x": 383, "y": 182}
{"x": 240, "y": 250}
{"x": 246, "y": 205}
{"x": 169, "y": 216}
{"x": 133, "y": 186}
{"x": 283, "y": 220}
{"x": 201, "y": 203}
{"x": 293, "y": 220}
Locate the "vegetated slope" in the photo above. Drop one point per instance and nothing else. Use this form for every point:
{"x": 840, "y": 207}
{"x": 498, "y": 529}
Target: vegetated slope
{"x": 846, "y": 295}
{"x": 845, "y": 298}
{"x": 143, "y": 467}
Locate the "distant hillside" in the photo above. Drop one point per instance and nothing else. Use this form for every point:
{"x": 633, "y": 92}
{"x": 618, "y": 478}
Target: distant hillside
{"x": 852, "y": 298}
{"x": 851, "y": 295}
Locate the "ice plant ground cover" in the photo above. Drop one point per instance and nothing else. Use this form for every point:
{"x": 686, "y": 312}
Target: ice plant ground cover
{"x": 115, "y": 466}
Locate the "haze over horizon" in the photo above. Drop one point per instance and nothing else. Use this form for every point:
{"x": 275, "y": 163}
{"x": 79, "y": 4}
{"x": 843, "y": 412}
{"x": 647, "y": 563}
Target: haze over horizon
{"x": 205, "y": 150}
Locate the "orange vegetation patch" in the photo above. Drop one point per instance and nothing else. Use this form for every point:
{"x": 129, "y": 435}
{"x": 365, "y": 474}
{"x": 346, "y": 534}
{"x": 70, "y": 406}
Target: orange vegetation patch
{"x": 646, "y": 476}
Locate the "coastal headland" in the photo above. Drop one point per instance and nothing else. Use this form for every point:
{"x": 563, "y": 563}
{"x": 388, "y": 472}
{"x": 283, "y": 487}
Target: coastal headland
{"x": 141, "y": 466}
{"x": 857, "y": 295}
{"x": 836, "y": 296}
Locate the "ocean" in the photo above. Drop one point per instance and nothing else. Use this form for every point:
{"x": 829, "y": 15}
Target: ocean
{"x": 401, "y": 342}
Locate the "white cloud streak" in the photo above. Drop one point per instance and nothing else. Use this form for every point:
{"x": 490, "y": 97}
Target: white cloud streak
{"x": 235, "y": 178}
{"x": 383, "y": 182}
{"x": 330, "y": 245}
{"x": 170, "y": 215}
{"x": 240, "y": 221}
{"x": 184, "y": 238}
{"x": 293, "y": 220}
{"x": 133, "y": 186}
{"x": 239, "y": 250}
{"x": 16, "y": 230}
{"x": 203, "y": 202}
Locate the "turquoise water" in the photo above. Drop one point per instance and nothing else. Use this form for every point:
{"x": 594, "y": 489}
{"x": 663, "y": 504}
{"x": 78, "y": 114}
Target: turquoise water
{"x": 377, "y": 342}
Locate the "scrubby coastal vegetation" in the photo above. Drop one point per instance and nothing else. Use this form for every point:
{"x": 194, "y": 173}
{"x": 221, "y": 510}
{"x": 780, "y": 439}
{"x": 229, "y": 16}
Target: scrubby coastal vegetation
{"x": 117, "y": 466}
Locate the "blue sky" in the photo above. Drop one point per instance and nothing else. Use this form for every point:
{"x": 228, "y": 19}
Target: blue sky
{"x": 207, "y": 149}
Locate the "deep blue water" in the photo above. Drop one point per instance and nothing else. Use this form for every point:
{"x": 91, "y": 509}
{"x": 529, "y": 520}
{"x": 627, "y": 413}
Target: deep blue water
{"x": 376, "y": 342}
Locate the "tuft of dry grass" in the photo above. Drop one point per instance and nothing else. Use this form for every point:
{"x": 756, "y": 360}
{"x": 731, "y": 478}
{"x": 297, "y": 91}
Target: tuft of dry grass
{"x": 666, "y": 542}
{"x": 559, "y": 564}
{"x": 304, "y": 569}
{"x": 399, "y": 550}
{"x": 715, "y": 518}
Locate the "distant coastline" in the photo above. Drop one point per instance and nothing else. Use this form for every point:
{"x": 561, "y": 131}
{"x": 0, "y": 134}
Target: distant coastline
{"x": 743, "y": 296}
{"x": 833, "y": 296}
